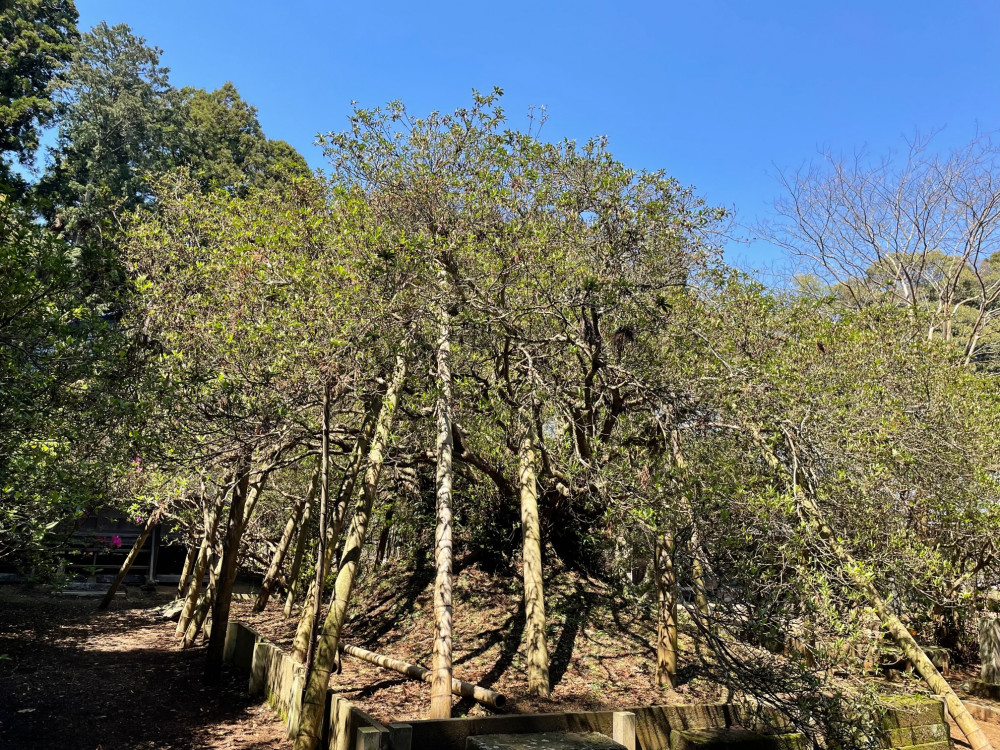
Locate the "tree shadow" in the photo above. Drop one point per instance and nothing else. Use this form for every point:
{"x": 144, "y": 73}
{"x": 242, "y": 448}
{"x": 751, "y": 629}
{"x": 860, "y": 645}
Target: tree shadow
{"x": 618, "y": 609}
{"x": 390, "y": 610}
{"x": 513, "y": 634}
{"x": 370, "y": 690}
{"x": 493, "y": 637}
{"x": 114, "y": 696}
{"x": 577, "y": 609}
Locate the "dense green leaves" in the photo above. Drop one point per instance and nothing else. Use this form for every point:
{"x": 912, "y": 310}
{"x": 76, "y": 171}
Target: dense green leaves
{"x": 36, "y": 40}
{"x": 64, "y": 436}
{"x": 670, "y": 400}
{"x": 116, "y": 121}
{"x": 122, "y": 125}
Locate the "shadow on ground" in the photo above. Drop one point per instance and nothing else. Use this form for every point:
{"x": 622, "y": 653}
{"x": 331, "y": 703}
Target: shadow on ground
{"x": 75, "y": 678}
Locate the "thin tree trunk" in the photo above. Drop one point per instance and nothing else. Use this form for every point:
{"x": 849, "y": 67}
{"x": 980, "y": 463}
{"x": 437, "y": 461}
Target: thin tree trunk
{"x": 303, "y": 633}
{"x": 666, "y": 619}
{"x": 201, "y": 566}
{"x": 347, "y": 485}
{"x": 324, "y": 496}
{"x": 280, "y": 553}
{"x": 295, "y": 583}
{"x": 210, "y": 600}
{"x": 307, "y": 617}
{"x": 441, "y": 666}
{"x": 204, "y": 605}
{"x": 185, "y": 579}
{"x": 383, "y": 538}
{"x": 154, "y": 518}
{"x": 227, "y": 575}
{"x": 534, "y": 591}
{"x": 973, "y": 733}
{"x": 311, "y": 718}
{"x": 697, "y": 568}
{"x": 698, "y": 576}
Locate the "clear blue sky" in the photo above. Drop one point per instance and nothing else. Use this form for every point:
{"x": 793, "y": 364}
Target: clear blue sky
{"x": 720, "y": 93}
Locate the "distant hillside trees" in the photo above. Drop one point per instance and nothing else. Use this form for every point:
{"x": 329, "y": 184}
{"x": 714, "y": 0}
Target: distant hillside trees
{"x": 37, "y": 38}
{"x": 916, "y": 229}
{"x": 121, "y": 123}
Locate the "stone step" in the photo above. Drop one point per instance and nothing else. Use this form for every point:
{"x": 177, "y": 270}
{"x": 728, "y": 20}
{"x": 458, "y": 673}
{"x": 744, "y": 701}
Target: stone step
{"x": 734, "y": 739}
{"x": 543, "y": 741}
{"x": 982, "y": 689}
{"x": 913, "y": 713}
{"x": 920, "y": 735}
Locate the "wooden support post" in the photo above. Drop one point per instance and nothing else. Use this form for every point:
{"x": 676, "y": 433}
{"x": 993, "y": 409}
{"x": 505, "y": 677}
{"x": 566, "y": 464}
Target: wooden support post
{"x": 400, "y": 736}
{"x": 367, "y": 738}
{"x": 154, "y": 550}
{"x": 623, "y": 729}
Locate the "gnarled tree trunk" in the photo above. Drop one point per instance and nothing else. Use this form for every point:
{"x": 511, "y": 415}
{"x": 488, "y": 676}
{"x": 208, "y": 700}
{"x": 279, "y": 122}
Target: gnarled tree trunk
{"x": 382, "y": 548}
{"x": 227, "y": 575}
{"x": 185, "y": 579}
{"x": 295, "y": 583}
{"x": 304, "y": 631}
{"x": 246, "y": 495}
{"x": 324, "y": 496}
{"x": 534, "y": 590}
{"x": 201, "y": 566}
{"x": 204, "y": 605}
{"x": 666, "y": 618}
{"x": 281, "y": 551}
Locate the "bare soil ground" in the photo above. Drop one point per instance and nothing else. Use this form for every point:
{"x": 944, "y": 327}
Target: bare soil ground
{"x": 602, "y": 652}
{"x": 601, "y": 649}
{"x": 73, "y": 678}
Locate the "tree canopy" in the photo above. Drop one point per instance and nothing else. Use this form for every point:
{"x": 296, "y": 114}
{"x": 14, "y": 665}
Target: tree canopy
{"x": 478, "y": 342}
{"x": 37, "y": 38}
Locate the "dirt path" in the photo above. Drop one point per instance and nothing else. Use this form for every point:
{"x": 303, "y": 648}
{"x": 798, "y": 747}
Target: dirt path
{"x": 992, "y": 732}
{"x": 73, "y": 678}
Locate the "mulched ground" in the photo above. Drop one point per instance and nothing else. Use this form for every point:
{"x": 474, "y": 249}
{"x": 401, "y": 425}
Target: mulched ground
{"x": 72, "y": 678}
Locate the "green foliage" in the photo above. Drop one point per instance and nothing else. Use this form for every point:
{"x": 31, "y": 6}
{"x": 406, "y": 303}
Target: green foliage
{"x": 558, "y": 263}
{"x": 223, "y": 145}
{"x": 885, "y": 430}
{"x": 36, "y": 39}
{"x": 61, "y": 363}
{"x": 672, "y": 403}
{"x": 122, "y": 125}
{"x": 116, "y": 120}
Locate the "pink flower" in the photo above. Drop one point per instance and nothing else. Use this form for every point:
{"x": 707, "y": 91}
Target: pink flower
{"x": 116, "y": 541}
